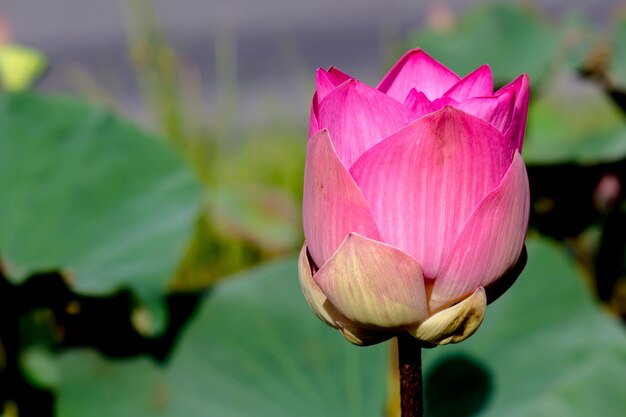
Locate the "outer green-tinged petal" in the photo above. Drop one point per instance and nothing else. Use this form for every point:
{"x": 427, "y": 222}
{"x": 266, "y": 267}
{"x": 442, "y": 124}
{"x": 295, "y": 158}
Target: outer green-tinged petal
{"x": 418, "y": 70}
{"x": 360, "y": 336}
{"x": 328, "y": 313}
{"x": 455, "y": 323}
{"x": 312, "y": 293}
{"x": 491, "y": 241}
{"x": 373, "y": 284}
{"x": 423, "y": 182}
{"x": 477, "y": 83}
{"x": 358, "y": 117}
{"x": 333, "y": 205}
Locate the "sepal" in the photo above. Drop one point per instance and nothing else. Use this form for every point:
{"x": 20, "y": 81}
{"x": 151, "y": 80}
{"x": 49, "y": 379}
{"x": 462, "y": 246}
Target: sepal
{"x": 454, "y": 324}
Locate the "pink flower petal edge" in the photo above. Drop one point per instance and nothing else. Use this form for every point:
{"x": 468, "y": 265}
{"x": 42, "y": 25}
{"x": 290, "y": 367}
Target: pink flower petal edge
{"x": 356, "y": 282}
{"x": 418, "y": 103}
{"x": 516, "y": 130}
{"x": 489, "y": 243}
{"x": 333, "y": 205}
{"x": 497, "y": 110}
{"x": 314, "y": 126}
{"x": 327, "y": 81}
{"x": 478, "y": 83}
{"x": 418, "y": 70}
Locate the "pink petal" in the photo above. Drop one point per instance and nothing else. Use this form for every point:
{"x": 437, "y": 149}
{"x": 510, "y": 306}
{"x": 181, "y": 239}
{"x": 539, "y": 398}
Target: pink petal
{"x": 423, "y": 182}
{"x": 417, "y": 70}
{"x": 443, "y": 102}
{"x": 313, "y": 123}
{"x": 420, "y": 105}
{"x": 490, "y": 242}
{"x": 515, "y": 133}
{"x": 478, "y": 83}
{"x": 358, "y": 117}
{"x": 327, "y": 81}
{"x": 333, "y": 205}
{"x": 417, "y": 102}
{"x": 374, "y": 284}
{"x": 497, "y": 110}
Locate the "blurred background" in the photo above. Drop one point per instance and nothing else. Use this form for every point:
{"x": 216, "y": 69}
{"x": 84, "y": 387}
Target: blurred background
{"x": 151, "y": 160}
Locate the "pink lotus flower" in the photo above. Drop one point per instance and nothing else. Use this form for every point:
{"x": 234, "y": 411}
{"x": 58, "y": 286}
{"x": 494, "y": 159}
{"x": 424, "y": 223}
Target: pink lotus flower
{"x": 415, "y": 199}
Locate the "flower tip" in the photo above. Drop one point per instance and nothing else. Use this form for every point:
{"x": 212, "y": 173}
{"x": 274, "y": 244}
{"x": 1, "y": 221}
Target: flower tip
{"x": 416, "y": 50}
{"x": 486, "y": 68}
{"x": 319, "y": 135}
{"x": 415, "y": 53}
{"x": 448, "y": 110}
{"x": 523, "y": 78}
{"x": 418, "y": 53}
{"x": 352, "y": 235}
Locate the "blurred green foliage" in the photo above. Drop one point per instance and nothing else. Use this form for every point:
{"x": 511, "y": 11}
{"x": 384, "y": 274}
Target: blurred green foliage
{"x": 103, "y": 226}
{"x": 254, "y": 348}
{"x": 618, "y": 48}
{"x": 90, "y": 194}
{"x": 578, "y": 125}
{"x": 252, "y": 192}
{"x": 511, "y": 40}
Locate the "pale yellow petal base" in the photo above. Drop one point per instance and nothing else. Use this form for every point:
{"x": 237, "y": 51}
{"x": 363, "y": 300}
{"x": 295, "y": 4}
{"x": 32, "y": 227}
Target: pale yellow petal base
{"x": 452, "y": 325}
{"x": 455, "y": 323}
{"x": 314, "y": 296}
{"x": 325, "y": 311}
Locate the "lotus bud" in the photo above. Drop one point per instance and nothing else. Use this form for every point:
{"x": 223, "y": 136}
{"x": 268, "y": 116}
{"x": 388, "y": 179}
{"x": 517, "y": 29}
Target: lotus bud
{"x": 416, "y": 200}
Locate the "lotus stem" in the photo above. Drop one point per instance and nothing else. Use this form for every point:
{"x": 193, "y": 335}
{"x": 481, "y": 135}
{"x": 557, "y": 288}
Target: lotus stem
{"x": 411, "y": 393}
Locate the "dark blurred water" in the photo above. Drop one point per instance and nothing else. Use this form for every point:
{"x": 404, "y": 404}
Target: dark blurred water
{"x": 279, "y": 43}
